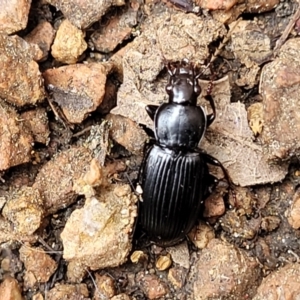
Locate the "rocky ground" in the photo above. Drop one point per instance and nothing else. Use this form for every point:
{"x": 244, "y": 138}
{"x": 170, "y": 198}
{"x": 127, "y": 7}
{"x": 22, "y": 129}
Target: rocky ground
{"x": 75, "y": 78}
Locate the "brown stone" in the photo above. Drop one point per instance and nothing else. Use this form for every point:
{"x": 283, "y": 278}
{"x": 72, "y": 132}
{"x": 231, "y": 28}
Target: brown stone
{"x": 105, "y": 287}
{"x": 177, "y": 277}
{"x": 78, "y": 89}
{"x": 127, "y": 133}
{"x": 201, "y": 235}
{"x": 216, "y": 4}
{"x": 75, "y": 272}
{"x": 281, "y": 284}
{"x": 14, "y": 15}
{"x": 56, "y": 178}
{"x": 117, "y": 30}
{"x": 225, "y": 271}
{"x": 99, "y": 234}
{"x": 84, "y": 13}
{"x": 68, "y": 291}
{"x": 279, "y": 86}
{"x": 37, "y": 121}
{"x": 21, "y": 82}
{"x": 24, "y": 209}
{"x": 15, "y": 138}
{"x": 68, "y": 44}
{"x": 214, "y": 206}
{"x": 152, "y": 286}
{"x": 39, "y": 265}
{"x": 42, "y": 36}
{"x": 8, "y": 234}
{"x": 10, "y": 290}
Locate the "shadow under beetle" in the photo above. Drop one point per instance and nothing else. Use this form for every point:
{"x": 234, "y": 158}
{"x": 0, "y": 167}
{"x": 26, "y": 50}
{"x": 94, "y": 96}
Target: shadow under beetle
{"x": 174, "y": 175}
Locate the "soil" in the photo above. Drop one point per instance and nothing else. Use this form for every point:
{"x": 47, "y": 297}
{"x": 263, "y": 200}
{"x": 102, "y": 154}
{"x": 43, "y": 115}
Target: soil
{"x": 73, "y": 132}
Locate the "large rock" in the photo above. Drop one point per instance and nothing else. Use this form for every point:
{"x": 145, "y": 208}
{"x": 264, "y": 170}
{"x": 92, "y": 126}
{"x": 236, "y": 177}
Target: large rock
{"x": 99, "y": 234}
{"x": 225, "y": 272}
{"x": 279, "y": 86}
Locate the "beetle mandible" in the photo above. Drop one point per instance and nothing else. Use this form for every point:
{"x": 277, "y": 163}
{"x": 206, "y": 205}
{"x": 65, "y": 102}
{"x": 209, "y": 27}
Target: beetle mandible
{"x": 174, "y": 174}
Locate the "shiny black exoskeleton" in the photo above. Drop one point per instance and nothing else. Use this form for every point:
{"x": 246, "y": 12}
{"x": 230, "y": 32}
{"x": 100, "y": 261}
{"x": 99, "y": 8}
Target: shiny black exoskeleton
{"x": 174, "y": 175}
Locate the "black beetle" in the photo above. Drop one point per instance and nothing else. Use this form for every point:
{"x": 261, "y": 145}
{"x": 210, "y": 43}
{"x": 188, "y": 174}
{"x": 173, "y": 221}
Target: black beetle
{"x": 174, "y": 175}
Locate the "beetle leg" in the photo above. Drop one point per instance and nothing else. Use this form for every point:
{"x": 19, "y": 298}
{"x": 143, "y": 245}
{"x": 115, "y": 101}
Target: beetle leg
{"x": 151, "y": 110}
{"x": 213, "y": 161}
{"x": 211, "y": 117}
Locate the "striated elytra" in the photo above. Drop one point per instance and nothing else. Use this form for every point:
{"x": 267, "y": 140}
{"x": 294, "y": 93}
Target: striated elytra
{"x": 174, "y": 174}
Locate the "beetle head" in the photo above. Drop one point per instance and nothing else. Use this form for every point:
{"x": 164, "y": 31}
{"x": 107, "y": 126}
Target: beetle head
{"x": 183, "y": 86}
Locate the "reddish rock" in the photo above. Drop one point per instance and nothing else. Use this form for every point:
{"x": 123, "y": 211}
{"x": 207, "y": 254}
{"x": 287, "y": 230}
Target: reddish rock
{"x": 42, "y": 36}
{"x": 56, "y": 178}
{"x": 21, "y": 82}
{"x": 68, "y": 44}
{"x": 10, "y": 290}
{"x": 114, "y": 32}
{"x": 14, "y": 15}
{"x": 24, "y": 209}
{"x": 84, "y": 13}
{"x": 127, "y": 133}
{"x": 152, "y": 286}
{"x": 39, "y": 265}
{"x": 224, "y": 271}
{"x": 15, "y": 138}
{"x": 78, "y": 89}
{"x": 281, "y": 284}
{"x": 279, "y": 85}
{"x": 37, "y": 121}
{"x": 214, "y": 206}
